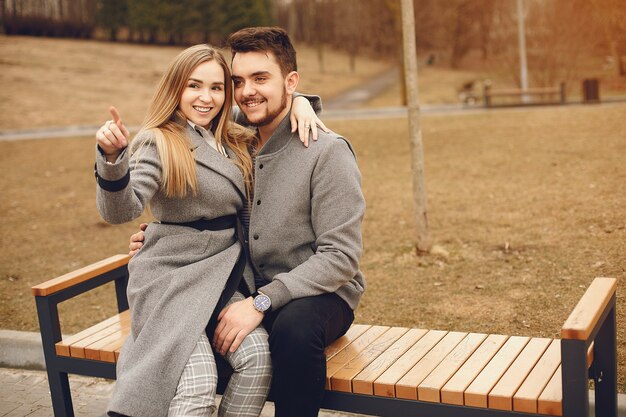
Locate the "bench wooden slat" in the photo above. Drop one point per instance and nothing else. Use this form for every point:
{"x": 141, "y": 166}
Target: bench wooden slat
{"x": 429, "y": 389}
{"x": 525, "y": 399}
{"x": 587, "y": 312}
{"x": 353, "y": 332}
{"x": 62, "y": 348}
{"x": 476, "y": 394}
{"x": 94, "y": 350}
{"x": 353, "y": 349}
{"x": 77, "y": 349}
{"x": 501, "y": 396}
{"x": 80, "y": 275}
{"x": 363, "y": 383}
{"x": 452, "y": 392}
{"x": 342, "y": 379}
{"x": 551, "y": 399}
{"x": 385, "y": 385}
{"x": 406, "y": 387}
{"x": 109, "y": 353}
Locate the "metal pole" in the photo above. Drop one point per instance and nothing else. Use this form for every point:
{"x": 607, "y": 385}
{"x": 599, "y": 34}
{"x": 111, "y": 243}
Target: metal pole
{"x": 415, "y": 132}
{"x": 521, "y": 34}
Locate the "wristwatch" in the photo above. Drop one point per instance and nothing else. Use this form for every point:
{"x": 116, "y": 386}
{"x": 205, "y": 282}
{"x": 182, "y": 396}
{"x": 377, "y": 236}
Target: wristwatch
{"x": 261, "y": 302}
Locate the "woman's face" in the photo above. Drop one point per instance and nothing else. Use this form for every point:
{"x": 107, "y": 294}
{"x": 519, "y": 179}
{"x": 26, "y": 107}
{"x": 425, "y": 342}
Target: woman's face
{"x": 203, "y": 96}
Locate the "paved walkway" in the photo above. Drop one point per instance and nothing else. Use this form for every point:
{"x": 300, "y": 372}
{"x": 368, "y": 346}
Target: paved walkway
{"x": 334, "y": 114}
{"x": 25, "y": 393}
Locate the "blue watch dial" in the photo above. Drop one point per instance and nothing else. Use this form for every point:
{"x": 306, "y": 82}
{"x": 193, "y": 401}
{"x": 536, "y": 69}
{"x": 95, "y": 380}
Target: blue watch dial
{"x": 262, "y": 303}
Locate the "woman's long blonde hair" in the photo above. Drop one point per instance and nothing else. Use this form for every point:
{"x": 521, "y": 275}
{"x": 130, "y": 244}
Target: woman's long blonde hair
{"x": 163, "y": 119}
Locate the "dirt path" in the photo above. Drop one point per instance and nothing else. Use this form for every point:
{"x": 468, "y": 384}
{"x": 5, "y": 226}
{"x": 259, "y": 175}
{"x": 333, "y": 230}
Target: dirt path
{"x": 361, "y": 94}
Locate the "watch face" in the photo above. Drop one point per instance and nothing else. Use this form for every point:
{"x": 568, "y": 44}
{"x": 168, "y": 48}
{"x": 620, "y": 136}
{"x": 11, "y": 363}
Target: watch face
{"x": 262, "y": 302}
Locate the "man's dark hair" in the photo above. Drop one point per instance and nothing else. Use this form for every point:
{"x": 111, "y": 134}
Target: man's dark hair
{"x": 266, "y": 39}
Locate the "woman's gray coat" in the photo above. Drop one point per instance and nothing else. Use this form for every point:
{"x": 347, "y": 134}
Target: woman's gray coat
{"x": 178, "y": 276}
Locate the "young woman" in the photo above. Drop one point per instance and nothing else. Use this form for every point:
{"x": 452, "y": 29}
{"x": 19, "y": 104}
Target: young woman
{"x": 191, "y": 164}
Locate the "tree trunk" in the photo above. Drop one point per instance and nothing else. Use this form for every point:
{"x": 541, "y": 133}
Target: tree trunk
{"x": 292, "y": 20}
{"x": 417, "y": 151}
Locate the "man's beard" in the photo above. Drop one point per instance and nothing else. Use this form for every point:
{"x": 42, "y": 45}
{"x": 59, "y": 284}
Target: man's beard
{"x": 271, "y": 114}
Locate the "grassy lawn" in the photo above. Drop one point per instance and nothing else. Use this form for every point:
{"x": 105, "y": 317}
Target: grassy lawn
{"x": 529, "y": 205}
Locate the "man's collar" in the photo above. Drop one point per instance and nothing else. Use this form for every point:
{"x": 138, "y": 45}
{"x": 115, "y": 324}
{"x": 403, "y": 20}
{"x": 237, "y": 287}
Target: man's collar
{"x": 281, "y": 137}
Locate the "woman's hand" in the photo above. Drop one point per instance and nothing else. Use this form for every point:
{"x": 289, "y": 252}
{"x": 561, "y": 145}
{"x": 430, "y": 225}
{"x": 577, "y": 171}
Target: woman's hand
{"x": 113, "y": 136}
{"x": 304, "y": 119}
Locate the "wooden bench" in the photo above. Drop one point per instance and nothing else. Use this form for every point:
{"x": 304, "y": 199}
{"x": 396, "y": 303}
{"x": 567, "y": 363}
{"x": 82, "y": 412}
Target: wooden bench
{"x": 389, "y": 371}
{"x": 542, "y": 93}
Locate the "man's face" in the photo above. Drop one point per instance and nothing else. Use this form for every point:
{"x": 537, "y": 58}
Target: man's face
{"x": 260, "y": 89}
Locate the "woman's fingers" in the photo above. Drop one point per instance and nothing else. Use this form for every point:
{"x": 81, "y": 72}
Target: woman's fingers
{"x": 114, "y": 135}
{"x": 303, "y": 131}
{"x": 115, "y": 114}
{"x": 314, "y": 130}
{"x": 321, "y": 124}
{"x": 308, "y": 129}
{"x": 119, "y": 134}
{"x": 117, "y": 122}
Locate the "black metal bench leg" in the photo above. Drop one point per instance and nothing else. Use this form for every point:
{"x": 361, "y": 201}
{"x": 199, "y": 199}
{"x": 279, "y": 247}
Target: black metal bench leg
{"x": 575, "y": 378}
{"x": 50, "y": 334}
{"x": 60, "y": 393}
{"x": 605, "y": 367}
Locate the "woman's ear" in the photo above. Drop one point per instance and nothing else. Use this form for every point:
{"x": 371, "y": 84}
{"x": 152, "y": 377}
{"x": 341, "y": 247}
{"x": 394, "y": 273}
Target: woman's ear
{"x": 291, "y": 82}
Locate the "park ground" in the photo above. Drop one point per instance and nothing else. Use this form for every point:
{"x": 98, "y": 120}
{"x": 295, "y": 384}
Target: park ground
{"x": 525, "y": 206}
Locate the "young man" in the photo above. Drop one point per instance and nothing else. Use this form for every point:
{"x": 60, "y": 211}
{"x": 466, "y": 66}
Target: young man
{"x": 304, "y": 232}
{"x": 304, "y": 229}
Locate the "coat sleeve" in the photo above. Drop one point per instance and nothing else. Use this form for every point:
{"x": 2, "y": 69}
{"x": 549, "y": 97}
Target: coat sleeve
{"x": 337, "y": 210}
{"x": 119, "y": 200}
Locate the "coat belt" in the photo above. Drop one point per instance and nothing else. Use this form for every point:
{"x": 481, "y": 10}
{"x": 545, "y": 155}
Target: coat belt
{"x": 219, "y": 223}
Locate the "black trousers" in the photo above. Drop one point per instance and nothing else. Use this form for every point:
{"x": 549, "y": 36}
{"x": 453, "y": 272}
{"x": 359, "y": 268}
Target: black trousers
{"x": 299, "y": 332}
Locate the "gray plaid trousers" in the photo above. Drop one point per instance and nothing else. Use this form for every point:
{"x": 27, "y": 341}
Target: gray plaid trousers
{"x": 248, "y": 386}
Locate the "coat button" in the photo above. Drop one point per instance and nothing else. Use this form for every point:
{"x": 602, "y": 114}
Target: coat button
{"x": 261, "y": 166}
{"x": 261, "y": 266}
{"x": 258, "y": 202}
{"x": 256, "y": 236}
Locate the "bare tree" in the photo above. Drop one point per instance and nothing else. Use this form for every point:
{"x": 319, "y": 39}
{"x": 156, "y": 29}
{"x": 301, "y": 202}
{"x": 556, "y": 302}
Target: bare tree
{"x": 415, "y": 131}
{"x": 611, "y": 16}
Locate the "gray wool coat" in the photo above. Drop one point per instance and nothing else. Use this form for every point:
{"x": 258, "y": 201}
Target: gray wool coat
{"x": 177, "y": 277}
{"x": 305, "y": 226}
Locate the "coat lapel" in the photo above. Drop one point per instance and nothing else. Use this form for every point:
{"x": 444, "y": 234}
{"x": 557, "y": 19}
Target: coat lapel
{"x": 207, "y": 156}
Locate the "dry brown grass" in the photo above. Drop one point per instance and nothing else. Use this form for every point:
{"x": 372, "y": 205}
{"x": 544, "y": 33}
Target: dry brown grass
{"x": 60, "y": 82}
{"x": 528, "y": 203}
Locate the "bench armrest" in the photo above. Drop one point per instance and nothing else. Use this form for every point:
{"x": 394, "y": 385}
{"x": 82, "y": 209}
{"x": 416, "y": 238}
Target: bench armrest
{"x": 581, "y": 323}
{"x": 80, "y": 275}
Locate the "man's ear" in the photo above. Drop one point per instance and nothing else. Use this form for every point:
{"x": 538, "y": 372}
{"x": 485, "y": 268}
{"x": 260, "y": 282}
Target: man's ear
{"x": 291, "y": 82}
